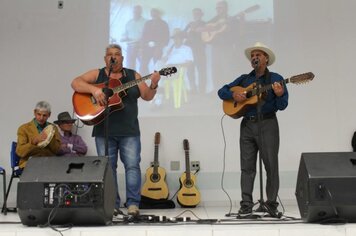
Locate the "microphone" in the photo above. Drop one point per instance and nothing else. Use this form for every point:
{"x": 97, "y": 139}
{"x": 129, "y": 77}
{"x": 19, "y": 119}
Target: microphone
{"x": 112, "y": 61}
{"x": 255, "y": 62}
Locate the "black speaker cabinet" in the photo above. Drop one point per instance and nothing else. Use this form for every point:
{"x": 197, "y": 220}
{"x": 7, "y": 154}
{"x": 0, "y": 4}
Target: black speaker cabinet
{"x": 66, "y": 190}
{"x": 326, "y": 186}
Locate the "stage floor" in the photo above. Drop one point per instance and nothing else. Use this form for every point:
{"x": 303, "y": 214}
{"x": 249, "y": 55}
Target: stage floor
{"x": 225, "y": 226}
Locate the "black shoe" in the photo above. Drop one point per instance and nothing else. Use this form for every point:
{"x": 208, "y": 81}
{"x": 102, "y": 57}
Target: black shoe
{"x": 272, "y": 209}
{"x": 117, "y": 212}
{"x": 245, "y": 209}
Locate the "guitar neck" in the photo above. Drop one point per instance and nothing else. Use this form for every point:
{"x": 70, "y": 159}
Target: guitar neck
{"x": 130, "y": 84}
{"x": 155, "y": 161}
{"x": 265, "y": 88}
{"x": 187, "y": 165}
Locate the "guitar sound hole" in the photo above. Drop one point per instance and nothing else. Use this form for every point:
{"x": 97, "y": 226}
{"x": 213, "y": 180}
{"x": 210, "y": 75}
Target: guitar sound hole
{"x": 155, "y": 177}
{"x": 188, "y": 183}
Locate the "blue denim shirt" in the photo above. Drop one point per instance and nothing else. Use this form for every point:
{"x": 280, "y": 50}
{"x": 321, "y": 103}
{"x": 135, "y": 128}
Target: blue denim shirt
{"x": 272, "y": 103}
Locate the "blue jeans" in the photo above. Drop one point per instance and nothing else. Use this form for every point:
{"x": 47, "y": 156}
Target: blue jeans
{"x": 130, "y": 149}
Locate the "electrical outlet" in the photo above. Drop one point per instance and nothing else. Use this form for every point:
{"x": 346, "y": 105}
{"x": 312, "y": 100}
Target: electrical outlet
{"x": 194, "y": 165}
{"x": 175, "y": 165}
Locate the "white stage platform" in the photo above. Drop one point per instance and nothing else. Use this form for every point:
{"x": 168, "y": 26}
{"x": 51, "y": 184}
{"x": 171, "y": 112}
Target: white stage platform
{"x": 226, "y": 226}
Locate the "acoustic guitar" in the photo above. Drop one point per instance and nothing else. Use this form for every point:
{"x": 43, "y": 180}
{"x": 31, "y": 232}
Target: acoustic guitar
{"x": 91, "y": 113}
{"x": 155, "y": 186}
{"x": 237, "y": 110}
{"x": 211, "y": 30}
{"x": 188, "y": 195}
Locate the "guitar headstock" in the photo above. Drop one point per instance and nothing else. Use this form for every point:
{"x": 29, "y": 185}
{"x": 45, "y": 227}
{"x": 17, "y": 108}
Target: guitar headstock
{"x": 157, "y": 138}
{"x": 186, "y": 144}
{"x": 302, "y": 78}
{"x": 168, "y": 71}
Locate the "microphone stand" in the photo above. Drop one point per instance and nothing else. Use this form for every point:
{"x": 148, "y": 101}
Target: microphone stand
{"x": 263, "y": 206}
{"x": 107, "y": 111}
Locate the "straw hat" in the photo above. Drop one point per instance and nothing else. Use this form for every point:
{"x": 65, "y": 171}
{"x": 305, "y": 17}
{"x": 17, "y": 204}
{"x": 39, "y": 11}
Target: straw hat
{"x": 264, "y": 48}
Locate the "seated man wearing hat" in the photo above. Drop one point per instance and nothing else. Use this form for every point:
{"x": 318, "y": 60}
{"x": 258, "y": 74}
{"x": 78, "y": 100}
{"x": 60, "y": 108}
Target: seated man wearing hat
{"x": 259, "y": 135}
{"x": 72, "y": 144}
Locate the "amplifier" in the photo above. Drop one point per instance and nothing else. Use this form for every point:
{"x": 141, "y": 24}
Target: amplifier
{"x": 66, "y": 190}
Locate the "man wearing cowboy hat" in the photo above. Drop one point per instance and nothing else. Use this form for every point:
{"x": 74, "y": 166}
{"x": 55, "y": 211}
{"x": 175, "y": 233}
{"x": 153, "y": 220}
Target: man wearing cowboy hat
{"x": 72, "y": 144}
{"x": 262, "y": 136}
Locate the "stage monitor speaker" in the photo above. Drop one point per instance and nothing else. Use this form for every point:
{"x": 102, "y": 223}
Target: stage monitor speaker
{"x": 326, "y": 187}
{"x": 66, "y": 190}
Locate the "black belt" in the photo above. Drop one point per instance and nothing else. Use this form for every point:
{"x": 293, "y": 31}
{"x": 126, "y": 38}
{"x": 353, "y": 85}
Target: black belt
{"x": 263, "y": 117}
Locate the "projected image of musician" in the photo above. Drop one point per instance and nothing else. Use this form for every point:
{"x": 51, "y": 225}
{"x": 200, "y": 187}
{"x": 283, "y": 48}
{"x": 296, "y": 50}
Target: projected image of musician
{"x": 38, "y": 137}
{"x": 220, "y": 34}
{"x": 180, "y": 56}
{"x": 132, "y": 36}
{"x": 197, "y": 72}
{"x": 155, "y": 37}
{"x": 215, "y": 31}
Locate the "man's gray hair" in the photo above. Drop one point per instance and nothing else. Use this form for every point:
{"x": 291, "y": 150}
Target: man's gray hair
{"x": 113, "y": 45}
{"x": 43, "y": 106}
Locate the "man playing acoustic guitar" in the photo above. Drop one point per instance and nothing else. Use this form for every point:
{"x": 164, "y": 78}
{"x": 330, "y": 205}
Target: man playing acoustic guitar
{"x": 257, "y": 136}
{"x": 124, "y": 131}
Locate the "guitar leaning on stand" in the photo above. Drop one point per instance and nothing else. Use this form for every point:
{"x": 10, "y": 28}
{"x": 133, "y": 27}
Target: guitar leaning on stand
{"x": 188, "y": 194}
{"x": 155, "y": 186}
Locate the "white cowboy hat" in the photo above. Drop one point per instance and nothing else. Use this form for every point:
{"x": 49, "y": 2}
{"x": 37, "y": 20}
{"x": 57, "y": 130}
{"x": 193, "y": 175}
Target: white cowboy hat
{"x": 264, "y": 48}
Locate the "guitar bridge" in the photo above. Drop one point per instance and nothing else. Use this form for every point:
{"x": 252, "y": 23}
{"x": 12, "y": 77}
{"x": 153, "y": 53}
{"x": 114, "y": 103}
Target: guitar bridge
{"x": 155, "y": 189}
{"x": 189, "y": 194}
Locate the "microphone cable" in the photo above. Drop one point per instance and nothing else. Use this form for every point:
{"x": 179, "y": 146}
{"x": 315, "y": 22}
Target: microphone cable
{"x": 224, "y": 166}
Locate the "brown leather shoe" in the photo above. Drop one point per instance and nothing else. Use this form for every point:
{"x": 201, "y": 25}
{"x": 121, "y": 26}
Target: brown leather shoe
{"x": 133, "y": 210}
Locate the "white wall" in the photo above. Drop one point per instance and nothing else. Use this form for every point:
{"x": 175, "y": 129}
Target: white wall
{"x": 42, "y": 48}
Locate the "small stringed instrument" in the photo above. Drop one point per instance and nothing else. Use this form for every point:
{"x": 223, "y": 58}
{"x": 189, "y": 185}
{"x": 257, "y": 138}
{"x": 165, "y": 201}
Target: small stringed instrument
{"x": 237, "y": 110}
{"x": 91, "y": 113}
{"x": 155, "y": 186}
{"x": 188, "y": 195}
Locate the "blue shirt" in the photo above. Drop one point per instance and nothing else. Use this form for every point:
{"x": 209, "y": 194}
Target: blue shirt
{"x": 272, "y": 103}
